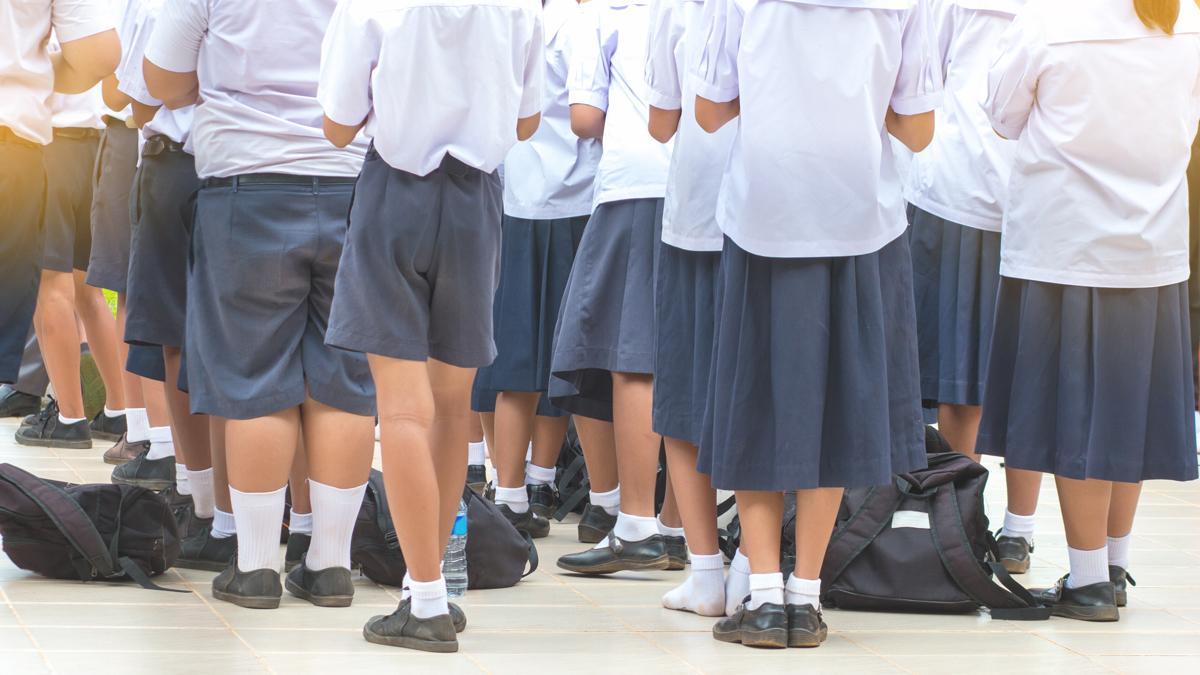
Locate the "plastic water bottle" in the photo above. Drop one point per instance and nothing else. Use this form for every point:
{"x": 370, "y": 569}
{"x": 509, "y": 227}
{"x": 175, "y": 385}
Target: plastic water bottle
{"x": 454, "y": 565}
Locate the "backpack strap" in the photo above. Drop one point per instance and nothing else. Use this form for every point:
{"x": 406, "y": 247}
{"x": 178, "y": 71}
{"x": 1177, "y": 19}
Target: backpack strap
{"x": 1011, "y": 602}
{"x": 383, "y": 515}
{"x": 126, "y": 564}
{"x": 533, "y": 554}
{"x": 569, "y": 502}
{"x": 863, "y": 526}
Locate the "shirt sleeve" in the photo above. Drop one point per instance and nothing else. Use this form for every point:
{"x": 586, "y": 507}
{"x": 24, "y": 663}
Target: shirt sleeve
{"x": 715, "y": 71}
{"x": 662, "y": 70}
{"x": 919, "y": 83}
{"x": 1013, "y": 77}
{"x": 944, "y": 21}
{"x": 349, "y": 55}
{"x": 130, "y": 79}
{"x": 77, "y": 19}
{"x": 589, "y": 74}
{"x": 535, "y": 71}
{"x": 180, "y": 30}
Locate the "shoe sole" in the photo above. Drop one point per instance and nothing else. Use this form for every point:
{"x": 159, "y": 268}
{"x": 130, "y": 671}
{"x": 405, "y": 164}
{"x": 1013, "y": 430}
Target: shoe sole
{"x": 1122, "y": 598}
{"x": 1013, "y": 566}
{"x": 675, "y": 564}
{"x": 50, "y": 443}
{"x": 20, "y": 414}
{"x": 410, "y": 643}
{"x": 318, "y": 600}
{"x": 202, "y": 565}
{"x": 1098, "y": 614}
{"x": 806, "y": 640}
{"x": 155, "y": 485}
{"x": 249, "y": 602}
{"x": 105, "y": 436}
{"x": 543, "y": 511}
{"x": 773, "y": 638}
{"x": 117, "y": 461}
{"x": 619, "y": 566}
{"x": 536, "y": 535}
{"x": 590, "y": 535}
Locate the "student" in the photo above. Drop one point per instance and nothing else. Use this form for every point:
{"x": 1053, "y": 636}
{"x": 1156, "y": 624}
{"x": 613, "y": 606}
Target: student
{"x": 684, "y": 283}
{"x": 604, "y": 342}
{"x": 267, "y": 234}
{"x": 814, "y": 379}
{"x": 424, "y": 241}
{"x": 1090, "y": 370}
{"x": 547, "y": 200}
{"x": 956, "y": 191}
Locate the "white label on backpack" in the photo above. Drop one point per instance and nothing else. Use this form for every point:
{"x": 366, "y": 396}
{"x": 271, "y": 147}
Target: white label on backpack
{"x": 915, "y": 519}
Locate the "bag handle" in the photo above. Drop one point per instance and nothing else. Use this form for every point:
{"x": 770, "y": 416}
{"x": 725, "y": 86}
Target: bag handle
{"x": 863, "y": 526}
{"x": 569, "y": 503}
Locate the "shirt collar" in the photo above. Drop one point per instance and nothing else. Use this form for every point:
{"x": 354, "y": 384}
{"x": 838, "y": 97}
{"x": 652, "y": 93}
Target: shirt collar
{"x": 1104, "y": 20}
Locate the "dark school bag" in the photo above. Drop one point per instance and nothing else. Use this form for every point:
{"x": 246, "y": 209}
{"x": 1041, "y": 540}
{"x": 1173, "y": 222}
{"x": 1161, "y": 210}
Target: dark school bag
{"x": 86, "y": 532}
{"x": 498, "y": 555}
{"x": 922, "y": 544}
{"x": 571, "y": 476}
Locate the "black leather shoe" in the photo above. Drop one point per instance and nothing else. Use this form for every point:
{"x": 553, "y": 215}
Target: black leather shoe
{"x": 330, "y": 587}
{"x": 529, "y": 522}
{"x": 107, "y": 428}
{"x": 677, "y": 553}
{"x": 202, "y": 551}
{"x": 1121, "y": 582}
{"x": 619, "y": 556}
{"x": 805, "y": 626}
{"x": 257, "y": 589}
{"x": 1094, "y": 602}
{"x": 123, "y": 451}
{"x": 402, "y": 629}
{"x": 47, "y": 431}
{"x": 152, "y": 474}
{"x": 15, "y": 403}
{"x": 1014, "y": 553}
{"x": 765, "y": 627}
{"x": 297, "y": 546}
{"x": 543, "y": 500}
{"x": 595, "y": 524}
{"x": 476, "y": 478}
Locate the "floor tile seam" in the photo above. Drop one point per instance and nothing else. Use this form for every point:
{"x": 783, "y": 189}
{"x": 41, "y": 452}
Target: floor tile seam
{"x": 25, "y": 629}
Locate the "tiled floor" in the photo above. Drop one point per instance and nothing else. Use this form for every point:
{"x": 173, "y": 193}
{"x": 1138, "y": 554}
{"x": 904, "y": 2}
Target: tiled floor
{"x": 553, "y": 622}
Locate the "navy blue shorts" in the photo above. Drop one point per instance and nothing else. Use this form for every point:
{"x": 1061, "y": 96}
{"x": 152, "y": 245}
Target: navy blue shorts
{"x": 22, "y": 189}
{"x": 67, "y": 220}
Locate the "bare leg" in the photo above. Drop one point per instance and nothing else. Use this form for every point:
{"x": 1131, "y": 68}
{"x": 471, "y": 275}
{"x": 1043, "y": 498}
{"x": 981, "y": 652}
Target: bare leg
{"x": 514, "y": 431}
{"x": 1122, "y": 508}
{"x": 1023, "y": 489}
{"x": 816, "y": 511}
{"x": 451, "y": 388}
{"x": 58, "y": 338}
{"x": 637, "y": 444}
{"x": 959, "y": 425}
{"x": 761, "y": 515}
{"x": 548, "y": 435}
{"x": 101, "y": 329}
{"x": 157, "y": 410}
{"x": 299, "y": 475}
{"x": 259, "y": 451}
{"x": 1085, "y": 508}
{"x": 669, "y": 513}
{"x": 599, "y": 451}
{"x": 487, "y": 422}
{"x": 216, "y": 437}
{"x": 696, "y": 499}
{"x": 133, "y": 383}
{"x": 190, "y": 431}
{"x": 476, "y": 428}
{"x": 339, "y": 445}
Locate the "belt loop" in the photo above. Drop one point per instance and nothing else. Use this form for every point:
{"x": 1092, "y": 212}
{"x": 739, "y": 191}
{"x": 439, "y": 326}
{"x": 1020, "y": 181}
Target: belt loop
{"x": 316, "y": 185}
{"x": 236, "y": 182}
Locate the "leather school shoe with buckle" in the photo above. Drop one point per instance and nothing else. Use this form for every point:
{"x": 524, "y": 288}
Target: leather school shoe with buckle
{"x": 1014, "y": 553}
{"x": 152, "y": 474}
{"x": 806, "y": 629}
{"x": 202, "y": 551}
{"x": 48, "y": 431}
{"x": 330, "y": 587}
{"x": 124, "y": 451}
{"x": 476, "y": 478}
{"x": 297, "y": 546}
{"x": 677, "y": 554}
{"x": 595, "y": 524}
{"x": 257, "y": 589}
{"x": 108, "y": 428}
{"x": 765, "y": 627}
{"x": 619, "y": 556}
{"x": 530, "y": 523}
{"x": 15, "y": 403}
{"x": 543, "y": 499}
{"x": 1121, "y": 582}
{"x": 402, "y": 629}
{"x": 1094, "y": 602}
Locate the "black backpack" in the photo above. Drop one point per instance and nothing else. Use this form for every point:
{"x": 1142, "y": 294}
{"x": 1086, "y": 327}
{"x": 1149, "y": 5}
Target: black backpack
{"x": 86, "y": 532}
{"x": 571, "y": 476}
{"x": 497, "y": 553}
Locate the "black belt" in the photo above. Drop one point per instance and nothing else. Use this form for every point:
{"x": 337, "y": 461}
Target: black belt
{"x": 158, "y": 144}
{"x": 114, "y": 121}
{"x": 76, "y": 133}
{"x": 9, "y": 136}
{"x": 278, "y": 179}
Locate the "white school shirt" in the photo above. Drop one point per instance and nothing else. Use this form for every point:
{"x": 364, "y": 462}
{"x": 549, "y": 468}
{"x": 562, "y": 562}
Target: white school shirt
{"x": 812, "y": 173}
{"x": 1105, "y": 111}
{"x": 26, "y": 74}
{"x": 608, "y": 71}
{"x": 699, "y": 159}
{"x": 174, "y": 124}
{"x": 552, "y": 175}
{"x": 434, "y": 77}
{"x": 123, "y": 18}
{"x": 963, "y": 175}
{"x": 258, "y": 63}
{"x": 78, "y": 111}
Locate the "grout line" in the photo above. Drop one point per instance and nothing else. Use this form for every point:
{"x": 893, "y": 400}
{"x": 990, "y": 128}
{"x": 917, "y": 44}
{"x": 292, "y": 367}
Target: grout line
{"x": 258, "y": 657}
{"x": 28, "y": 633}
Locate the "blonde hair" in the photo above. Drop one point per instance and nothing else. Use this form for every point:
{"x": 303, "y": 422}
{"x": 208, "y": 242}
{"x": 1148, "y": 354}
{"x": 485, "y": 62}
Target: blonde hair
{"x": 1160, "y": 14}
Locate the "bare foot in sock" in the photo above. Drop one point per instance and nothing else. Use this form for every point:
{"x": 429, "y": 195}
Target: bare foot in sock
{"x": 737, "y": 584}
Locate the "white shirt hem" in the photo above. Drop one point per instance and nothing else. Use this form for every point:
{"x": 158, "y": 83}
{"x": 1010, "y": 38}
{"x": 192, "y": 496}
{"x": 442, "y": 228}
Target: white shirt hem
{"x": 972, "y": 220}
{"x": 636, "y": 192}
{"x": 815, "y": 249}
{"x": 693, "y": 244}
{"x": 663, "y": 101}
{"x": 542, "y": 213}
{"x": 1067, "y": 277}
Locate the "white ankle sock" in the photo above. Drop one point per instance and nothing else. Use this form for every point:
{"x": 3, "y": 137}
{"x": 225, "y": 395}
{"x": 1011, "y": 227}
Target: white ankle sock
{"x": 516, "y": 499}
{"x": 137, "y": 425}
{"x": 765, "y": 588}
{"x": 475, "y": 453}
{"x": 538, "y": 475}
{"x": 737, "y": 584}
{"x": 258, "y": 515}
{"x": 802, "y": 591}
{"x": 113, "y": 413}
{"x": 183, "y": 482}
{"x": 1118, "y": 551}
{"x": 609, "y": 501}
{"x": 334, "y": 512}
{"x": 1017, "y": 526}
{"x": 224, "y": 525}
{"x": 429, "y": 598}
{"x": 1087, "y": 567}
{"x": 635, "y": 528}
{"x": 70, "y": 420}
{"x": 161, "y": 444}
{"x": 300, "y": 523}
{"x": 666, "y": 530}
{"x": 704, "y": 591}
{"x": 201, "y": 484}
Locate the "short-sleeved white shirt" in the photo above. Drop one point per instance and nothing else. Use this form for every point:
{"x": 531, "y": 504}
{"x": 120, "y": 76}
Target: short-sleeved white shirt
{"x": 963, "y": 175}
{"x": 1105, "y": 111}
{"x": 608, "y": 71}
{"x": 812, "y": 173}
{"x": 435, "y": 77}
{"x": 699, "y": 159}
{"x": 174, "y": 124}
{"x": 78, "y": 111}
{"x": 123, "y": 18}
{"x": 258, "y": 63}
{"x": 26, "y": 74}
{"x": 552, "y": 175}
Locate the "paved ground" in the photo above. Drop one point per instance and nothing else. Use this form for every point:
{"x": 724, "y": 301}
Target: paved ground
{"x": 554, "y": 622}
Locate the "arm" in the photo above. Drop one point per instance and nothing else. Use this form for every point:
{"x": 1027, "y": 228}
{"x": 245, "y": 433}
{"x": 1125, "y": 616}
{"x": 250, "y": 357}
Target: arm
{"x": 1013, "y": 79}
{"x": 341, "y": 135}
{"x": 715, "y": 74}
{"x": 349, "y": 53}
{"x": 85, "y": 61}
{"x": 142, "y": 113}
{"x": 587, "y": 121}
{"x": 918, "y": 88}
{"x": 712, "y": 115}
{"x": 664, "y": 123}
{"x": 528, "y": 126}
{"x": 172, "y": 52}
{"x": 588, "y": 76}
{"x": 914, "y": 131}
{"x": 175, "y": 90}
{"x": 114, "y": 98}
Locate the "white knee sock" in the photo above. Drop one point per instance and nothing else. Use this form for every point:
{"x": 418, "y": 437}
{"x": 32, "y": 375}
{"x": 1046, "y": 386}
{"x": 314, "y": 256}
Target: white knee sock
{"x": 609, "y": 501}
{"x": 516, "y": 498}
{"x": 704, "y": 591}
{"x": 110, "y": 413}
{"x": 201, "y": 483}
{"x": 475, "y": 453}
{"x": 802, "y": 591}
{"x": 1118, "y": 551}
{"x": 1087, "y": 567}
{"x": 666, "y": 530}
{"x": 1018, "y": 526}
{"x": 538, "y": 475}
{"x": 258, "y": 516}
{"x": 183, "y": 482}
{"x": 765, "y": 588}
{"x": 300, "y": 523}
{"x": 137, "y": 425}
{"x": 161, "y": 444}
{"x": 224, "y": 526}
{"x": 635, "y": 528}
{"x": 429, "y": 598}
{"x": 334, "y": 513}
{"x": 737, "y": 584}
